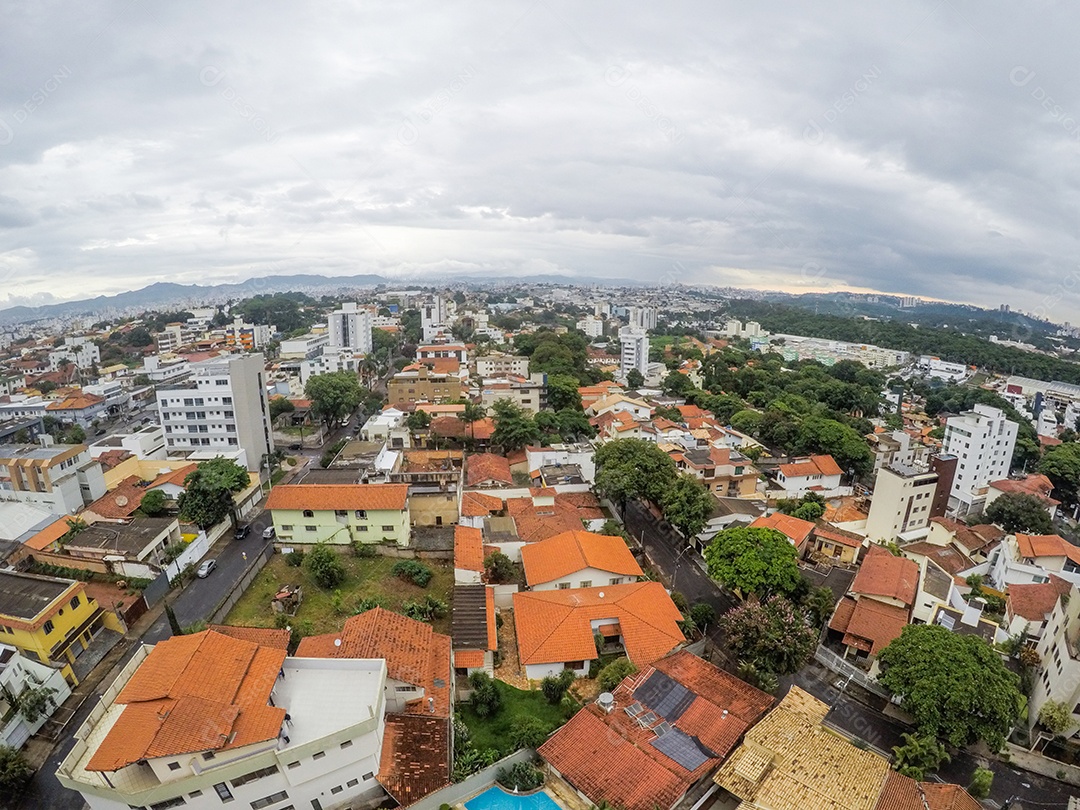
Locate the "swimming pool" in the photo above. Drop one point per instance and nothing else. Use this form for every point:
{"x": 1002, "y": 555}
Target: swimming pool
{"x": 495, "y": 798}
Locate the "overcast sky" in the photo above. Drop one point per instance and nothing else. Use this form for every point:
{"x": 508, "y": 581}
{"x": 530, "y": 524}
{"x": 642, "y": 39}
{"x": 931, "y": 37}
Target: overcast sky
{"x": 921, "y": 148}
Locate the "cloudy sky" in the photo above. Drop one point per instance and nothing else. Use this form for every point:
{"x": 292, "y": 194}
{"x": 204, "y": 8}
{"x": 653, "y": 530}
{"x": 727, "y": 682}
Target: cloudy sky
{"x": 928, "y": 148}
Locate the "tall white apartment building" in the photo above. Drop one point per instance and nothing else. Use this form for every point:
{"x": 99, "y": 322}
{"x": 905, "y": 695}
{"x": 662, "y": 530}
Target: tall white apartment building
{"x": 593, "y": 327}
{"x": 433, "y": 319}
{"x": 222, "y": 407}
{"x": 78, "y": 351}
{"x": 643, "y": 317}
{"x": 902, "y": 502}
{"x": 635, "y": 350}
{"x": 982, "y": 440}
{"x": 350, "y": 328}
{"x": 61, "y": 478}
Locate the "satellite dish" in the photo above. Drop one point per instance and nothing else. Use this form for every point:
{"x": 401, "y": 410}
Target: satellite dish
{"x": 337, "y": 642}
{"x": 121, "y": 500}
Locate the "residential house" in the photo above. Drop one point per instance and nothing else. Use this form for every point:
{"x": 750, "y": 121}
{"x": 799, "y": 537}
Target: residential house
{"x": 434, "y": 479}
{"x": 17, "y": 674}
{"x": 791, "y": 759}
{"x": 622, "y": 425}
{"x": 49, "y": 620}
{"x": 1028, "y": 605}
{"x": 727, "y": 513}
{"x": 578, "y": 559}
{"x": 486, "y": 471}
{"x": 796, "y": 530}
{"x": 80, "y": 409}
{"x": 528, "y": 393}
{"x": 564, "y": 455}
{"x": 723, "y": 471}
{"x": 593, "y": 393}
{"x": 474, "y": 632}
{"x": 819, "y": 474}
{"x": 557, "y": 629}
{"x": 877, "y": 606}
{"x": 1037, "y": 486}
{"x": 657, "y": 736}
{"x": 209, "y": 718}
{"x": 468, "y": 555}
{"x": 1022, "y": 558}
{"x": 133, "y": 548}
{"x": 638, "y": 409}
{"x": 60, "y": 478}
{"x": 833, "y": 545}
{"x": 341, "y": 513}
{"x": 977, "y": 542}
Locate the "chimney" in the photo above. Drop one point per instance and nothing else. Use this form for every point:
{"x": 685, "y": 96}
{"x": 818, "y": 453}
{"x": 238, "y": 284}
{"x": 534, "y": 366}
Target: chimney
{"x": 973, "y": 612}
{"x": 606, "y": 702}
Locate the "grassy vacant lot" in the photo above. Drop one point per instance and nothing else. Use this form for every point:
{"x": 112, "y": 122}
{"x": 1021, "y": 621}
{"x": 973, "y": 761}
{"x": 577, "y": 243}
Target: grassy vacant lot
{"x": 365, "y": 578}
{"x": 494, "y": 732}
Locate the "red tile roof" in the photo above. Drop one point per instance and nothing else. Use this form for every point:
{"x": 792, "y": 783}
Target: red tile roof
{"x": 554, "y": 626}
{"x": 263, "y": 636}
{"x": 201, "y": 692}
{"x": 1033, "y": 601}
{"x": 415, "y": 758}
{"x": 1046, "y": 545}
{"x": 574, "y": 551}
{"x": 468, "y": 548}
{"x": 903, "y": 793}
{"x": 468, "y": 659}
{"x": 811, "y": 465}
{"x": 539, "y": 522}
{"x": 794, "y": 529}
{"x": 948, "y": 558}
{"x": 414, "y": 653}
{"x": 835, "y": 535}
{"x": 868, "y": 624}
{"x": 479, "y": 504}
{"x": 321, "y": 497}
{"x": 882, "y": 574}
{"x": 487, "y": 468}
{"x": 1037, "y": 485}
{"x": 122, "y": 501}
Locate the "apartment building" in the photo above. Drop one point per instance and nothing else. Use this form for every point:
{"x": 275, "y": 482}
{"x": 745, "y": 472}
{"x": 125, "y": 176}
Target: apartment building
{"x": 1059, "y": 653}
{"x": 78, "y": 351}
{"x": 418, "y": 383}
{"x": 223, "y": 407}
{"x": 341, "y": 513}
{"x": 350, "y": 328}
{"x": 60, "y": 478}
{"x": 248, "y": 336}
{"x": 305, "y": 347}
{"x": 591, "y": 326}
{"x": 982, "y": 439}
{"x": 50, "y": 620}
{"x": 529, "y": 393}
{"x": 165, "y": 369}
{"x": 333, "y": 358}
{"x": 635, "y": 350}
{"x": 173, "y": 336}
{"x": 501, "y": 365}
{"x": 441, "y": 351}
{"x": 18, "y": 673}
{"x": 902, "y": 502}
{"x": 642, "y": 317}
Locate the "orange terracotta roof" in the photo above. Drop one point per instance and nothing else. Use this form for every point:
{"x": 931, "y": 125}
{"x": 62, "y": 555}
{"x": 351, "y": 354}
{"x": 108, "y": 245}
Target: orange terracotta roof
{"x": 948, "y": 558}
{"x": 320, "y": 497}
{"x": 492, "y": 625}
{"x": 468, "y": 548}
{"x": 811, "y": 465}
{"x": 554, "y": 626}
{"x": 201, "y": 692}
{"x": 112, "y": 458}
{"x": 263, "y": 636}
{"x": 415, "y": 757}
{"x": 1034, "y": 601}
{"x": 835, "y": 535}
{"x": 75, "y": 403}
{"x": 794, "y": 529}
{"x": 49, "y": 535}
{"x": 122, "y": 501}
{"x": 468, "y": 659}
{"x": 539, "y": 522}
{"x": 903, "y": 793}
{"x": 1037, "y": 485}
{"x": 177, "y": 477}
{"x": 1046, "y": 545}
{"x": 481, "y": 468}
{"x": 882, "y": 574}
{"x": 479, "y": 504}
{"x": 868, "y": 624}
{"x": 574, "y": 551}
{"x": 414, "y": 653}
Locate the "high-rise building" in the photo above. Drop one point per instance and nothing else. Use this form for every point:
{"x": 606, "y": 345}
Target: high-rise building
{"x": 61, "y": 478}
{"x": 982, "y": 440}
{"x": 635, "y": 350}
{"x": 249, "y": 336}
{"x": 350, "y": 328}
{"x": 902, "y": 502}
{"x": 643, "y": 317}
{"x": 222, "y": 407}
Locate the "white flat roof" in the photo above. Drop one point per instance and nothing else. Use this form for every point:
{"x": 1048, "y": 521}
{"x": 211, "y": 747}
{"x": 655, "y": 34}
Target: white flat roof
{"x": 324, "y": 695}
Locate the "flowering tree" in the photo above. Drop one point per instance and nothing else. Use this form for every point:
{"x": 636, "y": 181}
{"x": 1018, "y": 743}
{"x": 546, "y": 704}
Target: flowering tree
{"x": 774, "y": 635}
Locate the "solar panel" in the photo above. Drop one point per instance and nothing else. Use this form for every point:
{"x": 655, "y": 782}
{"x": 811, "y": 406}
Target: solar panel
{"x": 682, "y": 748}
{"x": 634, "y": 709}
{"x": 665, "y": 696}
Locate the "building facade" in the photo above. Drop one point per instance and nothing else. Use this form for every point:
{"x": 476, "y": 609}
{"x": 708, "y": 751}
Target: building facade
{"x": 60, "y": 478}
{"x": 982, "y": 439}
{"x": 635, "y": 350}
{"x": 350, "y": 328}
{"x": 341, "y": 514}
{"x": 903, "y": 497}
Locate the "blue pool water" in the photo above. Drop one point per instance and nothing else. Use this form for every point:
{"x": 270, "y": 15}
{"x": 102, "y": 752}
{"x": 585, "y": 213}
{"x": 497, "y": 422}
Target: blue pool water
{"x": 495, "y": 798}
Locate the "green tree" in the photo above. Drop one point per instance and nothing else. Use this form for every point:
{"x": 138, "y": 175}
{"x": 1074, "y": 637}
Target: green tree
{"x": 919, "y": 755}
{"x": 34, "y": 702}
{"x": 634, "y": 379}
{"x": 418, "y": 420}
{"x": 499, "y": 568}
{"x": 955, "y": 686}
{"x": 830, "y": 437}
{"x": 747, "y": 421}
{"x": 562, "y": 392}
{"x": 555, "y": 686}
{"x": 514, "y": 427}
{"x": 174, "y": 623}
{"x": 702, "y": 614}
{"x": 758, "y": 561}
{"x": 981, "y": 782}
{"x": 677, "y": 385}
{"x": 1061, "y": 464}
{"x": 773, "y": 635}
{"x": 279, "y": 406}
{"x": 1056, "y": 717}
{"x": 15, "y": 771}
{"x": 612, "y": 675}
{"x": 687, "y": 505}
{"x": 325, "y": 566}
{"x": 528, "y": 732}
{"x": 1020, "y": 512}
{"x": 207, "y": 498}
{"x": 628, "y": 469}
{"x": 334, "y": 396}
{"x": 819, "y": 604}
{"x": 153, "y": 503}
{"x": 485, "y": 699}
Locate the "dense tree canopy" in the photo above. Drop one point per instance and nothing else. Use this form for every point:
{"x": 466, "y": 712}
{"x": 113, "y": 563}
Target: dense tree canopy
{"x": 955, "y": 686}
{"x": 514, "y": 426}
{"x": 774, "y": 636}
{"x": 627, "y": 469}
{"x": 687, "y": 505}
{"x": 1020, "y": 512}
{"x": 282, "y": 310}
{"x": 758, "y": 561}
{"x": 207, "y": 498}
{"x": 1061, "y": 465}
{"x": 334, "y": 396}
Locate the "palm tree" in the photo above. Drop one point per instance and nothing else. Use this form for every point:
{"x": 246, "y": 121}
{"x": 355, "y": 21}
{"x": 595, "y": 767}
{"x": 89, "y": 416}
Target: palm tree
{"x": 473, "y": 412}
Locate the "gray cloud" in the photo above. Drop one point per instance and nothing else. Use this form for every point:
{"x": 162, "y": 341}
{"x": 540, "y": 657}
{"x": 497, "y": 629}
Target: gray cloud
{"x": 928, "y": 149}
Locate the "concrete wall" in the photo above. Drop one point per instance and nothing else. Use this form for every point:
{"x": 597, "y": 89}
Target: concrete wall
{"x": 477, "y": 783}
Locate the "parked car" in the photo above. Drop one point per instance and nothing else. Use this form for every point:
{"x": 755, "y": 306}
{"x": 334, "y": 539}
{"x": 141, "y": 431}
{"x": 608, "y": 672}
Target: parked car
{"x": 206, "y": 568}
{"x": 268, "y": 533}
{"x": 242, "y": 531}
{"x": 294, "y": 447}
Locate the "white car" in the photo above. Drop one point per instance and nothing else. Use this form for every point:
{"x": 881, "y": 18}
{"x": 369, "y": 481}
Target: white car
{"x": 206, "y": 568}
{"x": 268, "y": 533}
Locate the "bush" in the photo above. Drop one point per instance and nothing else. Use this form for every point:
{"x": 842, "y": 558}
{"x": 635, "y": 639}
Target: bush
{"x": 555, "y": 686}
{"x": 702, "y": 615}
{"x": 324, "y": 566}
{"x": 368, "y": 603}
{"x": 499, "y": 567}
{"x": 981, "y": 781}
{"x": 485, "y": 700}
{"x": 425, "y": 609}
{"x": 363, "y": 550}
{"x": 680, "y": 601}
{"x": 521, "y": 776}
{"x": 412, "y": 571}
{"x": 295, "y": 558}
{"x": 613, "y": 674}
{"x": 15, "y": 771}
{"x": 529, "y": 732}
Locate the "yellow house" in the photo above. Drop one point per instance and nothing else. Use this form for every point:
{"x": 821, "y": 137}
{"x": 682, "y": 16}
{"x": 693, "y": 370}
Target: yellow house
{"x": 340, "y": 513}
{"x": 48, "y": 619}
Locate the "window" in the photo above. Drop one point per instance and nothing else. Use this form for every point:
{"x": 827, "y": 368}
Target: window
{"x": 337, "y": 789}
{"x": 585, "y": 583}
{"x": 615, "y": 581}
{"x": 361, "y": 514}
{"x": 308, "y": 513}
{"x": 226, "y": 400}
{"x": 222, "y": 381}
{"x": 347, "y": 744}
{"x": 292, "y": 765}
{"x": 361, "y": 528}
{"x": 367, "y": 776}
{"x": 341, "y": 513}
{"x": 189, "y": 401}
{"x": 251, "y": 777}
{"x": 574, "y": 665}
{"x": 564, "y": 586}
{"x": 403, "y": 689}
{"x": 266, "y": 801}
{"x": 179, "y": 800}
{"x": 318, "y": 755}
{"x": 387, "y": 528}
{"x": 195, "y": 794}
{"x": 286, "y": 527}
{"x": 174, "y": 766}
{"x": 49, "y": 627}
{"x": 223, "y": 792}
{"x": 74, "y": 602}
{"x": 310, "y": 528}
{"x": 352, "y": 783}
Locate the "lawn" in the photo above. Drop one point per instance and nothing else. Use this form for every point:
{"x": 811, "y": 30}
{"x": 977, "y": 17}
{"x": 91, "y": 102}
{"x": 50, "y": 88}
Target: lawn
{"x": 494, "y": 732}
{"x": 365, "y": 578}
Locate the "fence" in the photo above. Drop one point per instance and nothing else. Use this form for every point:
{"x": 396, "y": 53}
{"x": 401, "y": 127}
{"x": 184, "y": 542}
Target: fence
{"x": 233, "y": 596}
{"x": 838, "y": 665}
{"x": 457, "y": 793}
{"x": 156, "y": 590}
